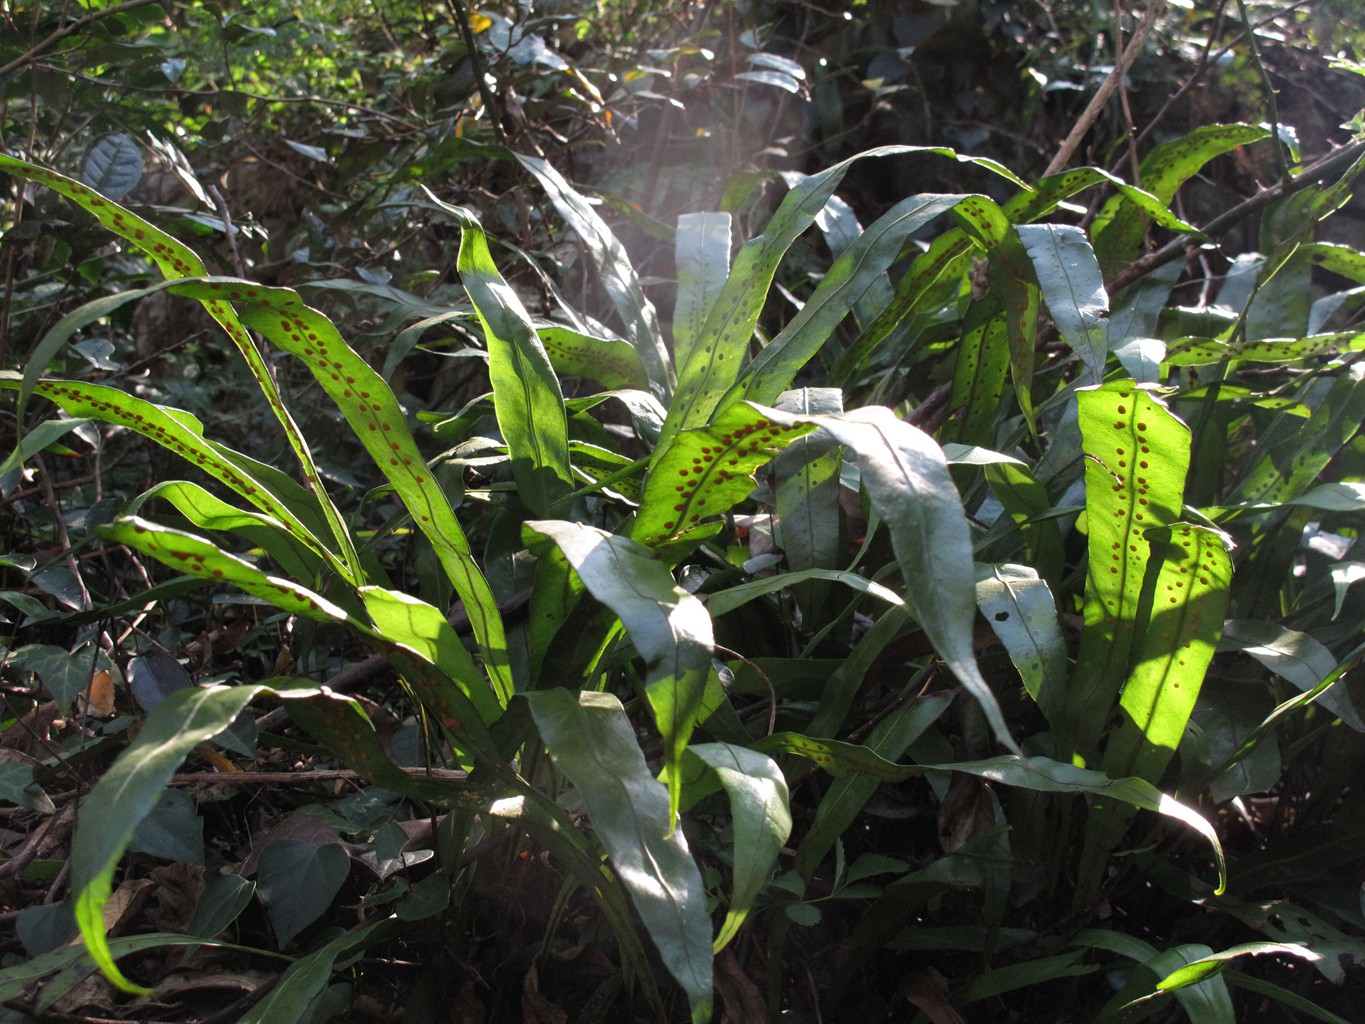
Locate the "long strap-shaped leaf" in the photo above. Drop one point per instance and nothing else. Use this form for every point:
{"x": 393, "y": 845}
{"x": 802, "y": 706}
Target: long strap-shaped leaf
{"x": 1073, "y": 288}
{"x": 718, "y": 356}
{"x": 413, "y": 632}
{"x": 1184, "y": 597}
{"x": 526, "y": 396}
{"x": 946, "y": 253}
{"x": 706, "y": 471}
{"x": 858, "y": 268}
{"x": 1137, "y": 457}
{"x": 618, "y": 276}
{"x": 180, "y": 432}
{"x": 371, "y": 409}
{"x": 177, "y": 260}
{"x": 907, "y": 478}
{"x": 702, "y": 254}
{"x": 669, "y": 627}
{"x": 591, "y": 741}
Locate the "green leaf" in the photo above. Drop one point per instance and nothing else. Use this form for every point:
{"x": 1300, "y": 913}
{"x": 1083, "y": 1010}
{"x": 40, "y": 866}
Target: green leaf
{"x": 706, "y": 471}
{"x": 526, "y": 393}
{"x": 371, "y": 409}
{"x": 13, "y": 980}
{"x": 1020, "y": 609}
{"x": 592, "y": 742}
{"x": 670, "y": 628}
{"x": 113, "y": 167}
{"x": 840, "y": 759}
{"x": 1294, "y": 656}
{"x": 717, "y": 359}
{"x": 983, "y": 361}
{"x": 1180, "y": 619}
{"x": 1045, "y": 775}
{"x": 1072, "y": 286}
{"x": 1118, "y": 226}
{"x": 172, "y": 831}
{"x": 308, "y": 975}
{"x": 204, "y": 559}
{"x": 421, "y": 628}
{"x": 703, "y": 259}
{"x": 17, "y": 787}
{"x": 907, "y": 478}
{"x": 609, "y": 256}
{"x": 857, "y": 269}
{"x": 65, "y": 675}
{"x": 847, "y": 796}
{"x": 298, "y": 881}
{"x": 1282, "y": 995}
{"x": 724, "y": 601}
{"x": 129, "y": 791}
{"x": 181, "y": 433}
{"x": 1204, "y": 967}
{"x": 807, "y": 486}
{"x": 339, "y": 724}
{"x": 761, "y": 820}
{"x": 1137, "y": 457}
{"x": 611, "y": 362}
{"x": 176, "y": 261}
{"x": 1291, "y": 454}
{"x": 209, "y": 512}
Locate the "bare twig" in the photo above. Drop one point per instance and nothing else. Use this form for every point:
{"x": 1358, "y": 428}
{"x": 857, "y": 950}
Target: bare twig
{"x": 290, "y": 778}
{"x": 1101, "y": 97}
{"x": 1178, "y": 247}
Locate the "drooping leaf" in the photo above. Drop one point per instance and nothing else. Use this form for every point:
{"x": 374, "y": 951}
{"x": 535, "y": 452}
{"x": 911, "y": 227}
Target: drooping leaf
{"x": 591, "y": 741}
{"x": 1294, "y": 656}
{"x": 907, "y": 478}
{"x": 181, "y": 433}
{"x": 209, "y": 512}
{"x": 177, "y": 261}
{"x": 128, "y": 792}
{"x": 1020, "y": 609}
{"x": 761, "y": 818}
{"x": 670, "y": 628}
{"x": 371, "y": 409}
{"x": 307, "y": 976}
{"x": 849, "y": 793}
{"x": 1073, "y": 288}
{"x": 609, "y": 256}
{"x": 1118, "y": 226}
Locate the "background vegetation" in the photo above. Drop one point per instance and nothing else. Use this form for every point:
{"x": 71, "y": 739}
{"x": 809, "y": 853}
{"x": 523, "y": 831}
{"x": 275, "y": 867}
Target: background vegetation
{"x": 638, "y": 511}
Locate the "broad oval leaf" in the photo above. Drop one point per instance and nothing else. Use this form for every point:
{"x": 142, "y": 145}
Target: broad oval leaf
{"x": 113, "y": 167}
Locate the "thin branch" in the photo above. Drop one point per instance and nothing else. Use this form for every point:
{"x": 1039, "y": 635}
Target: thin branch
{"x": 70, "y": 29}
{"x": 1092, "y": 111}
{"x": 1177, "y": 247}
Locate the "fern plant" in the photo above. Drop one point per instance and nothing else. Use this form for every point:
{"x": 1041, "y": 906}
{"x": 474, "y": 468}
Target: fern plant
{"x": 1075, "y": 500}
